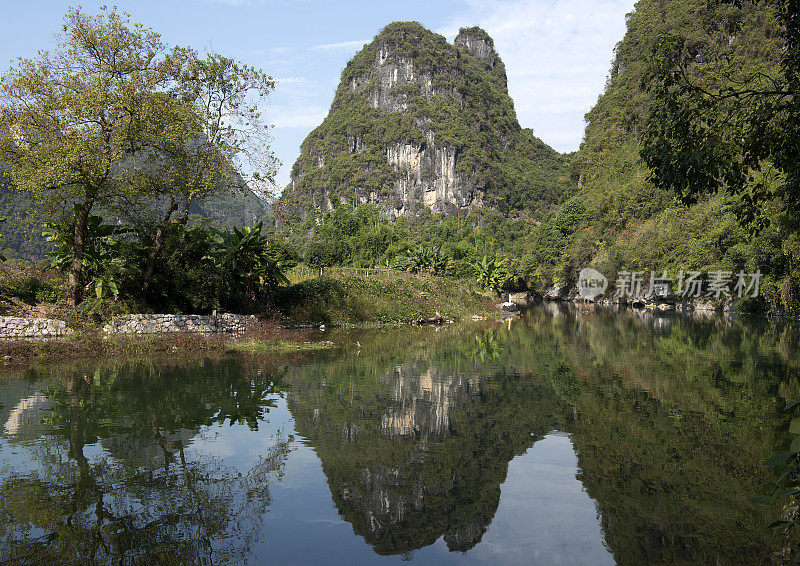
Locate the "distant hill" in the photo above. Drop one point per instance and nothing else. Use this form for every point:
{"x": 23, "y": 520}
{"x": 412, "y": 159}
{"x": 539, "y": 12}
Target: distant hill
{"x": 22, "y": 230}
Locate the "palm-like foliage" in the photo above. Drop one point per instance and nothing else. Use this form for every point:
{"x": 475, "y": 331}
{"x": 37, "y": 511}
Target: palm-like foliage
{"x": 102, "y": 264}
{"x": 251, "y": 257}
{"x": 492, "y": 273}
{"x": 424, "y": 258}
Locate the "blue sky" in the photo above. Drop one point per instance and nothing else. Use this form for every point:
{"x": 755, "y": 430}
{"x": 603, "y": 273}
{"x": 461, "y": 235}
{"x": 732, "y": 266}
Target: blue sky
{"x": 557, "y": 52}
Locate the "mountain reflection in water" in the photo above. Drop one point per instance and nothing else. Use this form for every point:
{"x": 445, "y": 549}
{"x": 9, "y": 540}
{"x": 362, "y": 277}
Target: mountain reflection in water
{"x": 569, "y": 436}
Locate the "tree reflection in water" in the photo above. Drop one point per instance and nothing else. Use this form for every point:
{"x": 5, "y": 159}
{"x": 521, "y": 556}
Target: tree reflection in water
{"x": 669, "y": 418}
{"x": 144, "y": 497}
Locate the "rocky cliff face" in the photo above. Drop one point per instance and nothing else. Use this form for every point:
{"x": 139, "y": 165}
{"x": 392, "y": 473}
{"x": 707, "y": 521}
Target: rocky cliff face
{"x": 420, "y": 123}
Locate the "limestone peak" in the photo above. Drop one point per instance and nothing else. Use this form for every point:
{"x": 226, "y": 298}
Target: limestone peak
{"x": 420, "y": 123}
{"x": 477, "y": 42}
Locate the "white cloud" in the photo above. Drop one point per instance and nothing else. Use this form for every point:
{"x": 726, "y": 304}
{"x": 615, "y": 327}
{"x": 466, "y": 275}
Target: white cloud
{"x": 341, "y": 46}
{"x": 557, "y": 56}
{"x": 300, "y": 116}
{"x": 290, "y": 80}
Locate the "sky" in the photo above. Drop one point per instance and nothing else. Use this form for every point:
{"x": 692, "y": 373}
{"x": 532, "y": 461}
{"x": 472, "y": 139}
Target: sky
{"x": 557, "y": 52}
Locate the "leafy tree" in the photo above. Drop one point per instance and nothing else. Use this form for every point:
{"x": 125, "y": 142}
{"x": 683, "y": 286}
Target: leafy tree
{"x": 319, "y": 255}
{"x": 113, "y": 118}
{"x": 69, "y": 118}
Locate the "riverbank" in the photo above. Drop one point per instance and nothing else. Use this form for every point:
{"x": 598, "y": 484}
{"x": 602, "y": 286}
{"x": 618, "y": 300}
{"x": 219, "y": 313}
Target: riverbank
{"x": 670, "y": 302}
{"x": 351, "y": 296}
{"x": 268, "y": 338}
{"x": 369, "y": 298}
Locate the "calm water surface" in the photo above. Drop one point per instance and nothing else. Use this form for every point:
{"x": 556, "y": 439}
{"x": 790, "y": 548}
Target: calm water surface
{"x": 565, "y": 437}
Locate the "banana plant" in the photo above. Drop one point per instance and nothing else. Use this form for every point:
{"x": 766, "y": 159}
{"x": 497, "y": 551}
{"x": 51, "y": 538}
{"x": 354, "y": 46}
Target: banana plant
{"x": 251, "y": 257}
{"x": 491, "y": 273}
{"x": 423, "y": 258}
{"x": 102, "y": 264}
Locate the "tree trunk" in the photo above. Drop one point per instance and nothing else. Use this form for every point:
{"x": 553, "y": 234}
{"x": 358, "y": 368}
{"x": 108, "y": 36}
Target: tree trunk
{"x": 158, "y": 240}
{"x": 78, "y": 247}
{"x": 158, "y": 243}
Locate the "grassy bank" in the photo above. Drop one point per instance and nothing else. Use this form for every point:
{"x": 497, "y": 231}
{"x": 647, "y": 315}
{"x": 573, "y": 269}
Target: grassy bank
{"x": 340, "y": 297}
{"x": 360, "y": 296}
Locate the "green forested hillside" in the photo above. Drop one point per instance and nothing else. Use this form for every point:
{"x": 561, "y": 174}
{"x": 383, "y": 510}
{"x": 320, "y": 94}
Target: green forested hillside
{"x": 609, "y": 215}
{"x": 620, "y": 220}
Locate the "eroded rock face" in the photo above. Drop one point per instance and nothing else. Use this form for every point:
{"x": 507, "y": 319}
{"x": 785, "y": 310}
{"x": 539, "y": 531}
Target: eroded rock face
{"x": 478, "y": 43}
{"x": 426, "y": 176}
{"x": 417, "y": 123}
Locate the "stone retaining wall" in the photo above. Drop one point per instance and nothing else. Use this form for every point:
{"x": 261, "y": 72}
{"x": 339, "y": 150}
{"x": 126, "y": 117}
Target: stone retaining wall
{"x": 18, "y": 327}
{"x": 153, "y": 323}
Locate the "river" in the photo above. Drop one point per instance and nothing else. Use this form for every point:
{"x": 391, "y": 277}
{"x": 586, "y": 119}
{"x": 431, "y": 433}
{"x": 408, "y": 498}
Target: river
{"x": 565, "y": 436}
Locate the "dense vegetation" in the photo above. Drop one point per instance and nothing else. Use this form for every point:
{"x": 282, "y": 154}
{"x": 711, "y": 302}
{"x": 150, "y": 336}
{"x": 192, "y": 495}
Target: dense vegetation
{"x": 624, "y": 217}
{"x": 628, "y": 220}
{"x": 674, "y": 66}
{"x": 198, "y": 270}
